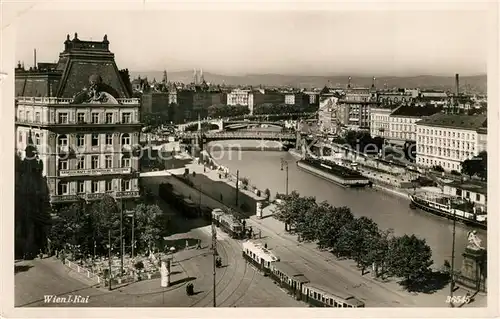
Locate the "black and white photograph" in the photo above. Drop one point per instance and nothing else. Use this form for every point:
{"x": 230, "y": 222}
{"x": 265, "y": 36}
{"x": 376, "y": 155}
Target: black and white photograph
{"x": 181, "y": 156}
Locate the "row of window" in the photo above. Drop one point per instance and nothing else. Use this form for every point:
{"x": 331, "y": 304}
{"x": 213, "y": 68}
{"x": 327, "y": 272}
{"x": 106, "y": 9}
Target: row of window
{"x": 452, "y": 153}
{"x": 63, "y": 140}
{"x": 447, "y": 142}
{"x": 95, "y": 117}
{"x": 467, "y": 194}
{"x": 64, "y": 164}
{"x": 443, "y": 164}
{"x": 403, "y": 127}
{"x": 95, "y": 187}
{"x": 63, "y": 117}
{"x": 438, "y": 132}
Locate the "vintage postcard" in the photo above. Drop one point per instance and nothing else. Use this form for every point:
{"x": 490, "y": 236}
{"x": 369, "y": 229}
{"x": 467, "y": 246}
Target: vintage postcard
{"x": 248, "y": 159}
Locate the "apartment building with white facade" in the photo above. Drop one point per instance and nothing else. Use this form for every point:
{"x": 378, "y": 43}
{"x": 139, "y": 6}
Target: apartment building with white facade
{"x": 241, "y": 97}
{"x": 80, "y": 116}
{"x": 402, "y": 122}
{"x": 447, "y": 140}
{"x": 379, "y": 121}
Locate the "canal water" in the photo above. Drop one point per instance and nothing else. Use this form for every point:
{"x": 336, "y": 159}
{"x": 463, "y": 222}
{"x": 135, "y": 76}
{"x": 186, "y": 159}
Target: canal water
{"x": 388, "y": 211}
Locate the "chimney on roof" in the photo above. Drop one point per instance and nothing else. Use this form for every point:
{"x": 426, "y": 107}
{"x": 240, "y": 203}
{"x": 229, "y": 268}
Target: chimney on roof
{"x": 34, "y": 59}
{"x": 457, "y": 82}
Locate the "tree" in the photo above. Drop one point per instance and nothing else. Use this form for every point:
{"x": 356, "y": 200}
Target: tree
{"x": 410, "y": 258}
{"x": 331, "y": 223}
{"x": 105, "y": 217}
{"x": 150, "y": 225}
{"x": 366, "y": 232}
{"x": 308, "y": 223}
{"x": 292, "y": 207}
{"x": 476, "y": 166}
{"x": 69, "y": 226}
{"x": 379, "y": 248}
{"x": 32, "y": 204}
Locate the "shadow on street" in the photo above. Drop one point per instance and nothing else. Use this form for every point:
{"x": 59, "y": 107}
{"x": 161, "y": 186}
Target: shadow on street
{"x": 21, "y": 268}
{"x": 432, "y": 282}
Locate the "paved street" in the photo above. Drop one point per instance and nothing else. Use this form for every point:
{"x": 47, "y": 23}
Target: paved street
{"x": 321, "y": 266}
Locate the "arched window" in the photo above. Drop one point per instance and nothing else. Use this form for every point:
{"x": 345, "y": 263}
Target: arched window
{"x": 62, "y": 140}
{"x": 37, "y": 139}
{"x": 126, "y": 139}
{"x": 62, "y": 188}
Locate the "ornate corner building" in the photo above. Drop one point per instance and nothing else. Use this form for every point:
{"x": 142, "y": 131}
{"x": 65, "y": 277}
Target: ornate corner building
{"x": 80, "y": 116}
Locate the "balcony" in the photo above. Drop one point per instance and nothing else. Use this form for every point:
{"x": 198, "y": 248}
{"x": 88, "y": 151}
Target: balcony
{"x": 64, "y": 198}
{"x": 95, "y": 172}
{"x": 55, "y": 100}
{"x": 127, "y": 194}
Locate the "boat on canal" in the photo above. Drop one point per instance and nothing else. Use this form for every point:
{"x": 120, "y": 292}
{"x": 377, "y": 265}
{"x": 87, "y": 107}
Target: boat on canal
{"x": 332, "y": 172}
{"x": 449, "y": 207}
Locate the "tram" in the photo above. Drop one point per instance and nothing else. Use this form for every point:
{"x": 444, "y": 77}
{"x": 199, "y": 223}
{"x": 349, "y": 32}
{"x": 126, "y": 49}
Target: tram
{"x": 320, "y": 296}
{"x": 294, "y": 281}
{"x": 289, "y": 278}
{"x": 228, "y": 223}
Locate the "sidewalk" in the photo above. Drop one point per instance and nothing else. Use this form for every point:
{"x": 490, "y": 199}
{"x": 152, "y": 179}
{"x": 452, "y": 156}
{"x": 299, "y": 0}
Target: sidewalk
{"x": 344, "y": 272}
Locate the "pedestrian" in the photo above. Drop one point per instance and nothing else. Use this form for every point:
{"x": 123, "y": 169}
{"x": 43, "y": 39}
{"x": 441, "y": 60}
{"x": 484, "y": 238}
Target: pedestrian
{"x": 265, "y": 245}
{"x": 187, "y": 243}
{"x": 199, "y": 244}
{"x": 260, "y": 233}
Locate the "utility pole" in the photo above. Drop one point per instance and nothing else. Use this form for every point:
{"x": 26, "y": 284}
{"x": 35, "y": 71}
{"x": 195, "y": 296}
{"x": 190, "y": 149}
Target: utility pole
{"x": 284, "y": 164}
{"x": 452, "y": 272}
{"x": 214, "y": 251}
{"x": 109, "y": 258}
{"x": 237, "y": 186}
{"x": 122, "y": 248}
{"x": 133, "y": 228}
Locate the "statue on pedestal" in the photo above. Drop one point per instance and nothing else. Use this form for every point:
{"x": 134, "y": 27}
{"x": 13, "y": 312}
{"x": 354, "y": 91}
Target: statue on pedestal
{"x": 473, "y": 273}
{"x": 474, "y": 241}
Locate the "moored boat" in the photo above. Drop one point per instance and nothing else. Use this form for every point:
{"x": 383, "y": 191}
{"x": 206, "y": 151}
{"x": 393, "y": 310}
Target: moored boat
{"x": 449, "y": 207}
{"x": 334, "y": 173}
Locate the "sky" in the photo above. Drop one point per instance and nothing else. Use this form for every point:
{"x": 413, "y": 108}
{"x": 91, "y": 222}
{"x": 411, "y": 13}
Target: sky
{"x": 298, "y": 42}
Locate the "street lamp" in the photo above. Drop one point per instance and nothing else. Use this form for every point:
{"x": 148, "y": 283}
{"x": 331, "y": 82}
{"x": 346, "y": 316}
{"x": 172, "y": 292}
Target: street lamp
{"x": 109, "y": 258}
{"x": 284, "y": 165}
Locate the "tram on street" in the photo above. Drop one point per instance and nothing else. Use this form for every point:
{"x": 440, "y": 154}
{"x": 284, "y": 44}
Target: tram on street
{"x": 259, "y": 256}
{"x": 228, "y": 223}
{"x": 294, "y": 281}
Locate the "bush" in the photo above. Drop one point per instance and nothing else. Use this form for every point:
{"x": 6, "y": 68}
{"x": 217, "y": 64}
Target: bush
{"x": 456, "y": 173}
{"x": 438, "y": 168}
{"x": 139, "y": 265}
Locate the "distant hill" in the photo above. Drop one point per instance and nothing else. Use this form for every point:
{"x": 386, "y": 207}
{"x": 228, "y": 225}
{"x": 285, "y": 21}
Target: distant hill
{"x": 475, "y": 84}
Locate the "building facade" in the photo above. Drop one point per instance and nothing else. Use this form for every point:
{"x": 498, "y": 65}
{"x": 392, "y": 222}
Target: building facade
{"x": 380, "y": 121}
{"x": 447, "y": 140}
{"x": 329, "y": 115}
{"x": 403, "y": 121}
{"x": 241, "y": 97}
{"x": 84, "y": 123}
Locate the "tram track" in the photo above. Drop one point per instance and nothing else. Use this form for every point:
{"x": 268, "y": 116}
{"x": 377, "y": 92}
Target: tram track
{"x": 242, "y": 292}
{"x": 205, "y": 301}
{"x": 326, "y": 276}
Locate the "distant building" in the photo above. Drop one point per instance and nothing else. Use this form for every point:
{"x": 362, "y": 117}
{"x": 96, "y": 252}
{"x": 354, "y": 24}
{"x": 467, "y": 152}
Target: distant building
{"x": 329, "y": 120}
{"x": 403, "y": 122}
{"x": 474, "y": 192}
{"x": 154, "y": 102}
{"x": 241, "y": 97}
{"x": 447, "y": 139}
{"x": 356, "y": 106}
{"x": 81, "y": 118}
{"x": 380, "y": 122}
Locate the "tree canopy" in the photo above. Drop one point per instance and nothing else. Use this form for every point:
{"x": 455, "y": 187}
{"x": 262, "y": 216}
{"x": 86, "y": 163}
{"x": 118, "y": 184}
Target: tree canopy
{"x": 336, "y": 229}
{"x": 476, "y": 166}
{"x": 223, "y": 110}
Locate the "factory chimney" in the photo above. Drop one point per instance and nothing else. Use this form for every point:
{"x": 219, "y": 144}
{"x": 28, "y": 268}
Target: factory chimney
{"x": 457, "y": 82}
{"x": 34, "y": 59}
